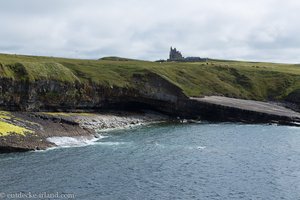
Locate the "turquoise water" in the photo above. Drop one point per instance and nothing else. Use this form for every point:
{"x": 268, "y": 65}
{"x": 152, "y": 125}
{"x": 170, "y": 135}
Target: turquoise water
{"x": 183, "y": 161}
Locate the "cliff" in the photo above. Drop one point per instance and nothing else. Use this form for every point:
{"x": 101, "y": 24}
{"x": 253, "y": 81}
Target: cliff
{"x": 34, "y": 84}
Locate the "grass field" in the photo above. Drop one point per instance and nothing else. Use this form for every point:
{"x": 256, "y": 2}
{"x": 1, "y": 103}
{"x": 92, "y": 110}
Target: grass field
{"x": 248, "y": 80}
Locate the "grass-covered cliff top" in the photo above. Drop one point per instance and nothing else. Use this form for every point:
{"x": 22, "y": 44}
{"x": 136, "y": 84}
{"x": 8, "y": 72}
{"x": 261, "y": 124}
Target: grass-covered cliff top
{"x": 249, "y": 80}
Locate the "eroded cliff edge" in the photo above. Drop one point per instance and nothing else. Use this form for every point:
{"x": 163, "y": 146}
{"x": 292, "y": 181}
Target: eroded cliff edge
{"x": 150, "y": 91}
{"x": 29, "y": 89}
{"x": 28, "y": 100}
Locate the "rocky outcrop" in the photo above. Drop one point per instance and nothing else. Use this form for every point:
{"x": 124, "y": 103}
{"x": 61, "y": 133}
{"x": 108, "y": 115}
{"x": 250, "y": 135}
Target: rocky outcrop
{"x": 43, "y": 126}
{"x": 148, "y": 91}
{"x": 145, "y": 92}
{"x": 293, "y": 100}
{"x": 215, "y": 108}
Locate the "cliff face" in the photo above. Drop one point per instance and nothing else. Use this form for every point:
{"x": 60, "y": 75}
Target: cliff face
{"x": 54, "y": 84}
{"x": 150, "y": 91}
{"x": 294, "y": 98}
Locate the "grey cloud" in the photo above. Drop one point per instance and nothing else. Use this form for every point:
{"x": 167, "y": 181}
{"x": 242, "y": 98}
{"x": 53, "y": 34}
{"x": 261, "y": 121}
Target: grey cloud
{"x": 265, "y": 30}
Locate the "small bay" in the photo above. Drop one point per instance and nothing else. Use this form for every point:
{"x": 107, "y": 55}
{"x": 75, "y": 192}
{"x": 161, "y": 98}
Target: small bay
{"x": 166, "y": 161}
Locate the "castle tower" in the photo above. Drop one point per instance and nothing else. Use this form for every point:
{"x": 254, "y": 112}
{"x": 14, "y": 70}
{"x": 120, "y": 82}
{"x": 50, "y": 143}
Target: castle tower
{"x": 175, "y": 55}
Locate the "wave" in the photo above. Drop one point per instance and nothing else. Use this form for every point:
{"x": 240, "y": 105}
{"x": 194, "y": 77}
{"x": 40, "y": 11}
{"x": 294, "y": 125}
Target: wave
{"x": 78, "y": 141}
{"x": 111, "y": 143}
{"x": 126, "y": 127}
{"x": 294, "y": 127}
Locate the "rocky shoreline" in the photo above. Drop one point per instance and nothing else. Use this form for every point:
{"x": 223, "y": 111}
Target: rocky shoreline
{"x": 44, "y": 125}
{"x": 26, "y": 131}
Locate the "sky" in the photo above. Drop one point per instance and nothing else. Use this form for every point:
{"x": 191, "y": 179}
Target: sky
{"x": 256, "y": 30}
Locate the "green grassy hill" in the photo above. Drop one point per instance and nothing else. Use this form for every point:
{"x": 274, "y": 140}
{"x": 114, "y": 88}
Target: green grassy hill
{"x": 248, "y": 80}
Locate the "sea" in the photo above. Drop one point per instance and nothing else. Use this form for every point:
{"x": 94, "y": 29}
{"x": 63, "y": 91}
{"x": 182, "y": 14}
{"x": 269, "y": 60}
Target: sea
{"x": 204, "y": 161}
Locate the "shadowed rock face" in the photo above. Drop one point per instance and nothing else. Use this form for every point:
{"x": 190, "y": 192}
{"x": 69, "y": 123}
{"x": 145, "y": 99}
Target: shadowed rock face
{"x": 149, "y": 91}
{"x": 294, "y": 97}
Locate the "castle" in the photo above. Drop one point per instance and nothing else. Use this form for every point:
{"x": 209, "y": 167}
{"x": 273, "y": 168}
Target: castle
{"x": 176, "y": 55}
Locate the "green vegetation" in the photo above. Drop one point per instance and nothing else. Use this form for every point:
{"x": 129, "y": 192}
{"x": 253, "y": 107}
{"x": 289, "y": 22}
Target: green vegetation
{"x": 5, "y": 115}
{"x": 36, "y": 71}
{"x": 7, "y": 128}
{"x": 248, "y": 80}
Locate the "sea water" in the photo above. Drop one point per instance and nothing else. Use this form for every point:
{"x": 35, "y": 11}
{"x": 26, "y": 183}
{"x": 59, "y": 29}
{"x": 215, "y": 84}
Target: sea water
{"x": 169, "y": 161}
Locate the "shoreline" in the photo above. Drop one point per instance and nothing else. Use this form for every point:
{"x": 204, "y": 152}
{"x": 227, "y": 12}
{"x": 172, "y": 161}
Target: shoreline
{"x": 80, "y": 141}
{"x": 60, "y": 125}
{"x": 28, "y": 131}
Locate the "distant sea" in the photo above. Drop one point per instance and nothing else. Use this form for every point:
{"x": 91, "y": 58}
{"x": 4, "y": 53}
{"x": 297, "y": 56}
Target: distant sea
{"x": 167, "y": 161}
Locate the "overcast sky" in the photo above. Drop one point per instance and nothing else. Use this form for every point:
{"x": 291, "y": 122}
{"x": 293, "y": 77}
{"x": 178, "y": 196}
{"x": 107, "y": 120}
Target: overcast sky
{"x": 264, "y": 30}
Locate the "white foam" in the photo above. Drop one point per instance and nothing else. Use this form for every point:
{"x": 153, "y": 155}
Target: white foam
{"x": 129, "y": 126}
{"x": 73, "y": 141}
{"x": 294, "y": 127}
{"x": 111, "y": 143}
{"x": 201, "y": 147}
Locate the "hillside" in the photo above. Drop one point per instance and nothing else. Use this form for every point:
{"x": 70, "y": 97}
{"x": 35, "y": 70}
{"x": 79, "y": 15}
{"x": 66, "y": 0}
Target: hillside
{"x": 46, "y": 87}
{"x": 247, "y": 80}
